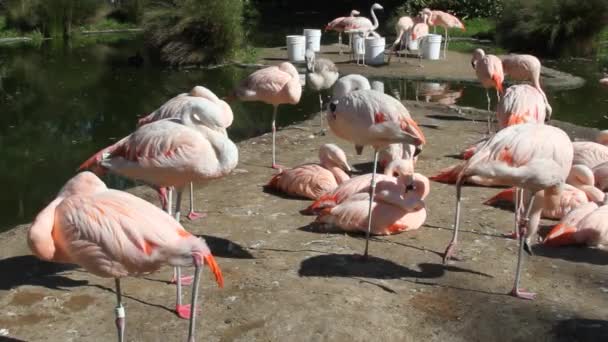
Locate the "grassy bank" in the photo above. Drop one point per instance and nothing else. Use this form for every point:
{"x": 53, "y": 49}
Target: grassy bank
{"x": 477, "y": 28}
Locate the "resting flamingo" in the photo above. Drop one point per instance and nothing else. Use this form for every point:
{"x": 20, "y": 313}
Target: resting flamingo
{"x": 339, "y": 24}
{"x": 587, "y": 224}
{"x": 525, "y": 68}
{"x": 274, "y": 85}
{"x": 349, "y": 83}
{"x": 488, "y": 69}
{"x": 313, "y": 180}
{"x": 321, "y": 74}
{"x": 532, "y": 157}
{"x": 368, "y": 117}
{"x": 113, "y": 234}
{"x": 445, "y": 20}
{"x": 201, "y": 101}
{"x": 590, "y": 153}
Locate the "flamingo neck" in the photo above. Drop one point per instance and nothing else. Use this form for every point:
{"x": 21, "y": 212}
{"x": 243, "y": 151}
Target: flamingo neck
{"x": 339, "y": 174}
{"x": 225, "y": 150}
{"x": 375, "y": 19}
{"x": 40, "y": 234}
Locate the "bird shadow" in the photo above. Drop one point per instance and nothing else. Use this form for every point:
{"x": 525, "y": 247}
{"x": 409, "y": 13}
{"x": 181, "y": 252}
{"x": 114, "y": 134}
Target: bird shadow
{"x": 448, "y": 117}
{"x": 159, "y": 306}
{"x": 224, "y": 248}
{"x": 275, "y": 59}
{"x": 580, "y": 254}
{"x": 29, "y": 270}
{"x": 580, "y": 330}
{"x": 268, "y": 190}
{"x": 10, "y": 339}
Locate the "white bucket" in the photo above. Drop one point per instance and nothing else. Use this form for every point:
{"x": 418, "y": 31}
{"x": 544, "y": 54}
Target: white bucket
{"x": 378, "y": 86}
{"x": 358, "y": 45}
{"x": 374, "y": 50}
{"x": 313, "y": 39}
{"x": 412, "y": 44}
{"x": 295, "y": 48}
{"x": 431, "y": 46}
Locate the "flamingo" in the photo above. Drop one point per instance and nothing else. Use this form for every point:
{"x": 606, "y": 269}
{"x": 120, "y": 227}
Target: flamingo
{"x": 113, "y": 234}
{"x": 321, "y": 74}
{"x": 488, "y": 69}
{"x": 590, "y": 153}
{"x": 368, "y": 117}
{"x": 339, "y": 24}
{"x": 526, "y": 68}
{"x": 349, "y": 83}
{"x": 533, "y": 157}
{"x": 604, "y": 81}
{"x": 445, "y": 20}
{"x": 274, "y": 85}
{"x": 201, "y": 101}
{"x": 314, "y": 180}
{"x": 397, "y": 151}
{"x": 363, "y": 26}
{"x": 586, "y": 224}
{"x": 403, "y": 29}
{"x": 170, "y": 153}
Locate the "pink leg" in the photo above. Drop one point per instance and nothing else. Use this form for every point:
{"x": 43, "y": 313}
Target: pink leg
{"x": 162, "y": 194}
{"x": 182, "y": 310}
{"x": 516, "y": 291}
{"x": 185, "y": 280}
{"x": 193, "y": 215}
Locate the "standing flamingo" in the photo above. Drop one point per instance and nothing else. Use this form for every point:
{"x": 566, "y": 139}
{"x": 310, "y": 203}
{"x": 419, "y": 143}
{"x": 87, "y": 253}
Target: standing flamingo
{"x": 521, "y": 104}
{"x": 488, "y": 69}
{"x": 526, "y": 68}
{"x": 114, "y": 234}
{"x": 274, "y": 85}
{"x": 532, "y": 157}
{"x": 339, "y": 24}
{"x": 368, "y": 117}
{"x": 170, "y": 153}
{"x": 363, "y": 26}
{"x": 445, "y": 20}
{"x": 587, "y": 224}
{"x": 201, "y": 101}
{"x": 403, "y": 29}
{"x": 349, "y": 83}
{"x": 321, "y": 74}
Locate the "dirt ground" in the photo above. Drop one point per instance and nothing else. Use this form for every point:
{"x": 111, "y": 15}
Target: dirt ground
{"x": 287, "y": 282}
{"x": 457, "y": 68}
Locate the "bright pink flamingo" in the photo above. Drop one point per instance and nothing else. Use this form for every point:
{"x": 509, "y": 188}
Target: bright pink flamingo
{"x": 170, "y": 153}
{"x": 114, "y": 234}
{"x": 532, "y": 157}
{"x": 202, "y": 102}
{"x": 587, "y": 224}
{"x": 274, "y": 85}
{"x": 488, "y": 69}
{"x": 525, "y": 68}
{"x": 339, "y": 25}
{"x": 445, "y": 20}
{"x": 314, "y": 180}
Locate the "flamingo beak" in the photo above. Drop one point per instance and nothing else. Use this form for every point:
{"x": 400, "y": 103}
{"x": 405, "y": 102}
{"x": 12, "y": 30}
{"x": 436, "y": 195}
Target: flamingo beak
{"x": 560, "y": 235}
{"x": 415, "y": 132}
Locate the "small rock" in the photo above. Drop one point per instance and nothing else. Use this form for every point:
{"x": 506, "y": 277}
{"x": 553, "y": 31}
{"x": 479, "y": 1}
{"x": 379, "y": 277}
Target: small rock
{"x": 231, "y": 298}
{"x": 227, "y": 321}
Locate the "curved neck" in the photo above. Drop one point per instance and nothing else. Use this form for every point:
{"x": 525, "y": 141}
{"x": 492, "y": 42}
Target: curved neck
{"x": 339, "y": 174}
{"x": 375, "y": 19}
{"x": 225, "y": 150}
{"x": 40, "y": 234}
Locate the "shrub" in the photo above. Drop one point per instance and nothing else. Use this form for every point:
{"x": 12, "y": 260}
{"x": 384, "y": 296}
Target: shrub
{"x": 461, "y": 8}
{"x": 194, "y": 31}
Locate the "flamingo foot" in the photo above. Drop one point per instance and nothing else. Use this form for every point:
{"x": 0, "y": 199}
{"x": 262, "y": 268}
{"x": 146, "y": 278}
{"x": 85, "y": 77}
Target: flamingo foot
{"x": 183, "y": 311}
{"x": 522, "y": 294}
{"x": 321, "y": 133}
{"x": 449, "y": 252}
{"x": 186, "y": 280}
{"x": 193, "y": 215}
{"x": 278, "y": 167}
{"x": 513, "y": 235}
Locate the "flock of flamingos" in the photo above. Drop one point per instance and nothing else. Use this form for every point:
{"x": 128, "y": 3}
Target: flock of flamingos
{"x": 112, "y": 233}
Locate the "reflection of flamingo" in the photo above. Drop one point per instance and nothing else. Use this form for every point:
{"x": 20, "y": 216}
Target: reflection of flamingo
{"x": 488, "y": 69}
{"x": 526, "y": 68}
{"x": 201, "y": 101}
{"x": 314, "y": 180}
{"x": 321, "y": 74}
{"x": 587, "y": 224}
{"x": 274, "y": 85}
{"x": 532, "y": 157}
{"x": 114, "y": 234}
{"x": 368, "y": 117}
{"x": 604, "y": 81}
{"x": 445, "y": 20}
{"x": 339, "y": 24}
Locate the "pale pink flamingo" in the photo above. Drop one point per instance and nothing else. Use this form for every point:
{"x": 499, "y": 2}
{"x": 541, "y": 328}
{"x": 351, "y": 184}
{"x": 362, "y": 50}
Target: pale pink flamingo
{"x": 274, "y": 85}
{"x": 368, "y": 117}
{"x": 488, "y": 69}
{"x": 445, "y": 20}
{"x": 590, "y": 153}
{"x": 587, "y": 224}
{"x": 313, "y": 180}
{"x": 397, "y": 151}
{"x": 533, "y": 157}
{"x": 200, "y": 101}
{"x": 364, "y": 25}
{"x": 170, "y": 153}
{"x": 604, "y": 81}
{"x": 349, "y": 83}
{"x": 321, "y": 74}
{"x": 403, "y": 28}
{"x": 339, "y": 25}
{"x": 525, "y": 68}
{"x": 113, "y": 234}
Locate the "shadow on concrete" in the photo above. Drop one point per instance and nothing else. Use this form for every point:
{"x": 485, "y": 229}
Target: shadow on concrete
{"x": 225, "y": 248}
{"x": 581, "y": 254}
{"x": 29, "y": 270}
{"x": 580, "y": 330}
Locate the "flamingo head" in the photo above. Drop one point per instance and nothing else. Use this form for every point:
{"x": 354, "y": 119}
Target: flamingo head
{"x": 377, "y": 6}
{"x": 331, "y": 154}
{"x": 354, "y": 13}
{"x": 477, "y": 55}
{"x": 309, "y": 56}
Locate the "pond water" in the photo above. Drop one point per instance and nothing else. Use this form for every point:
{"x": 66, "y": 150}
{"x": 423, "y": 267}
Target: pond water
{"x": 60, "y": 104}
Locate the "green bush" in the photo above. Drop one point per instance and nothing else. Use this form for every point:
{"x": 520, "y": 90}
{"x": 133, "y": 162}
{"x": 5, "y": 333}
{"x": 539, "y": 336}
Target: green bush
{"x": 552, "y": 27}
{"x": 194, "y": 31}
{"x": 461, "y": 8}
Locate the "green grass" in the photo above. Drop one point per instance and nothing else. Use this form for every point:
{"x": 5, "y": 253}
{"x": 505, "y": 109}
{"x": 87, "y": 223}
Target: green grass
{"x": 468, "y": 47}
{"x": 107, "y": 24}
{"x": 476, "y": 27}
{"x": 5, "y": 32}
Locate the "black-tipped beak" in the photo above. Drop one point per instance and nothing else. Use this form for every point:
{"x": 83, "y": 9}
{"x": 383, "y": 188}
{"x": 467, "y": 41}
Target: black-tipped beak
{"x": 358, "y": 149}
{"x": 528, "y": 249}
{"x": 417, "y": 151}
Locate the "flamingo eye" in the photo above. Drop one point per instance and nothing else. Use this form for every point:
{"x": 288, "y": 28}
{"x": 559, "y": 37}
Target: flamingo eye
{"x": 332, "y": 107}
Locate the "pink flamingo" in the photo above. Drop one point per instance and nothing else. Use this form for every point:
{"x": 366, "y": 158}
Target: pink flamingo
{"x": 397, "y": 151}
{"x": 368, "y": 117}
{"x": 590, "y": 153}
{"x": 586, "y": 224}
{"x": 404, "y": 31}
{"x": 532, "y": 157}
{"x": 488, "y": 69}
{"x": 604, "y": 81}
{"x": 526, "y": 68}
{"x": 364, "y": 25}
{"x": 445, "y": 20}
{"x": 114, "y": 234}
{"x": 274, "y": 85}
{"x": 314, "y": 180}
{"x": 201, "y": 101}
{"x": 339, "y": 25}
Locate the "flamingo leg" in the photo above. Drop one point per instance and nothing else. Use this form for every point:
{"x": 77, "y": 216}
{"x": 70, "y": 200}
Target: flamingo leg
{"x": 170, "y": 201}
{"x": 445, "y": 45}
{"x": 489, "y": 110}
{"x": 177, "y": 278}
{"x": 515, "y": 233}
{"x": 198, "y": 265}
{"x": 274, "y": 133}
{"x": 321, "y": 114}
{"x": 120, "y": 312}
{"x": 449, "y": 251}
{"x": 340, "y": 41}
{"x": 193, "y": 215}
{"x": 522, "y": 239}
{"x": 372, "y": 192}
{"x": 182, "y": 310}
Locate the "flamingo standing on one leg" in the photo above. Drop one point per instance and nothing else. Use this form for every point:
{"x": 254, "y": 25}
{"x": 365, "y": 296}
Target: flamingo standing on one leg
{"x": 587, "y": 224}
{"x": 368, "y": 117}
{"x": 274, "y": 85}
{"x": 321, "y": 74}
{"x": 445, "y": 20}
{"x": 530, "y": 156}
{"x": 488, "y": 69}
{"x": 201, "y": 101}
{"x": 170, "y": 153}
{"x": 526, "y": 68}
{"x": 114, "y": 234}
{"x": 339, "y": 24}
{"x": 313, "y": 180}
